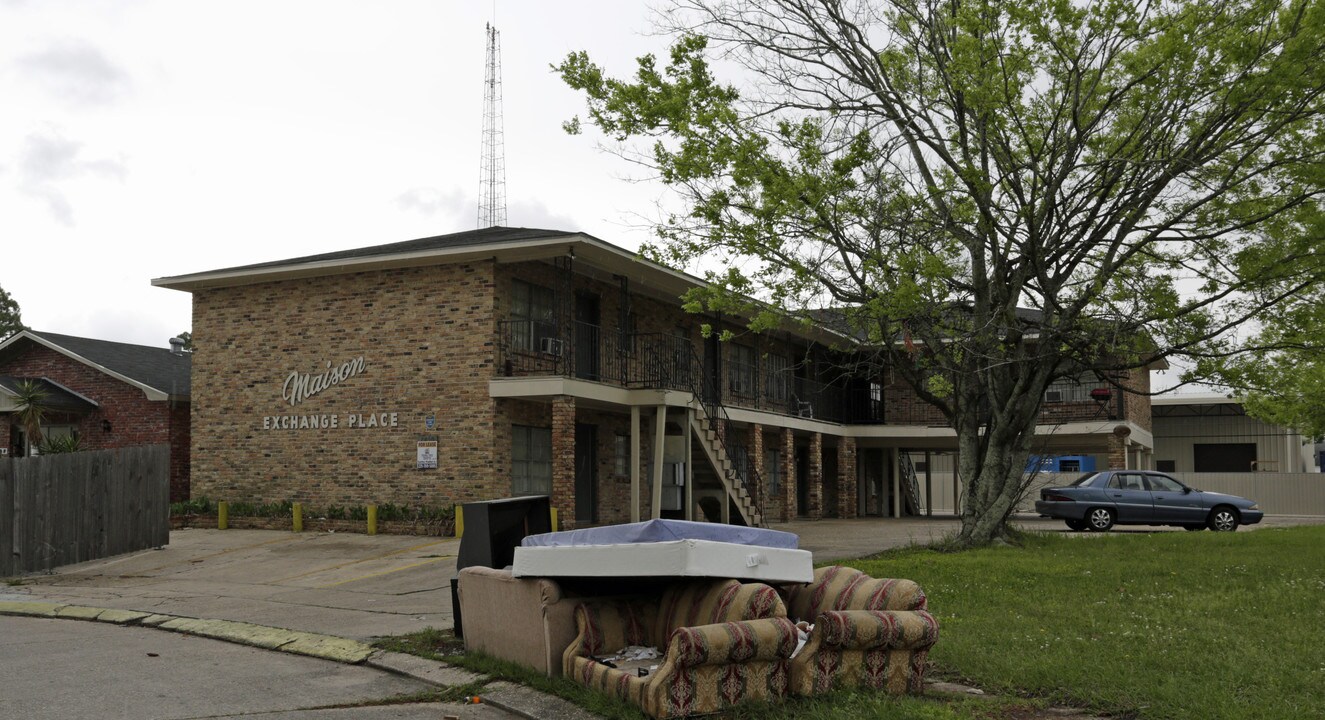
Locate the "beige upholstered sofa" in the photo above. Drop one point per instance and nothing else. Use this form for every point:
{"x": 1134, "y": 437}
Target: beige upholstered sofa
{"x": 868, "y": 632}
{"x": 523, "y": 620}
{"x": 723, "y": 643}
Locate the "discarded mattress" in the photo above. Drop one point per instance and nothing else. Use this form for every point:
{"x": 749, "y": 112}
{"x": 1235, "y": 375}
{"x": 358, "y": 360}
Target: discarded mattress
{"x": 665, "y": 548}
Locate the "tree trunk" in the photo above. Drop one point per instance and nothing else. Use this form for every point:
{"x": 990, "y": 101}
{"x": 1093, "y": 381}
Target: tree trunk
{"x": 992, "y": 463}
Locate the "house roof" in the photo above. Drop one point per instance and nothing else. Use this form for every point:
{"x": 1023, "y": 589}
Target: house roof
{"x": 509, "y": 244}
{"x": 158, "y": 372}
{"x": 58, "y": 397}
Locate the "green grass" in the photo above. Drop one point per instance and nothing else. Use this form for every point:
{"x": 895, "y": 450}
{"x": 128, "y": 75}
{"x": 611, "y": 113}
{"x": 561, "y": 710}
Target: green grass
{"x": 1155, "y": 626}
{"x": 1164, "y": 625}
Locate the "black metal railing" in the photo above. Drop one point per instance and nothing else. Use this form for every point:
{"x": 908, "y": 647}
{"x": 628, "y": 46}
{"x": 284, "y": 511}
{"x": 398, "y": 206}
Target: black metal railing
{"x": 669, "y": 361}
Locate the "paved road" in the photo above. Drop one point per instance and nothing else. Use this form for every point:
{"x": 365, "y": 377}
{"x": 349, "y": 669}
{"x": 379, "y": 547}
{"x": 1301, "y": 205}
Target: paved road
{"x": 61, "y": 669}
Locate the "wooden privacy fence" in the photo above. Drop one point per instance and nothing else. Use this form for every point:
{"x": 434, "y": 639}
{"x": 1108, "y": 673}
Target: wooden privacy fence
{"x": 63, "y": 509}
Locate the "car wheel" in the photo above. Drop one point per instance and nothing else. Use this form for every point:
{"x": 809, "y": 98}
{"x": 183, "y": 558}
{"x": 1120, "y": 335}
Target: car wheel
{"x": 1193, "y": 528}
{"x": 1099, "y": 519}
{"x": 1077, "y": 525}
{"x": 1223, "y": 519}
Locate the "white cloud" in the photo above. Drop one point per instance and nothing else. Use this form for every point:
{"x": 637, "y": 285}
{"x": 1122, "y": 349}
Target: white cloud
{"x": 46, "y": 161}
{"x": 76, "y": 73}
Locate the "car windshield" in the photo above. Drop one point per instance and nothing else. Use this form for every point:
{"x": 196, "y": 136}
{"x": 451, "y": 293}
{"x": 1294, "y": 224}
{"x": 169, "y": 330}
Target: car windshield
{"x": 1083, "y": 480}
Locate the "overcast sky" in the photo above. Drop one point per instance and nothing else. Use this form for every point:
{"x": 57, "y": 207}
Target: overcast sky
{"x": 141, "y": 139}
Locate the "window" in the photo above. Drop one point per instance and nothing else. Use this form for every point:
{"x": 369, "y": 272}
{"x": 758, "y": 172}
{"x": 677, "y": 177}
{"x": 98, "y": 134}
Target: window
{"x": 741, "y": 370}
{"x": 1161, "y": 483}
{"x": 531, "y": 460}
{"x": 778, "y": 379}
{"x": 1166, "y": 465}
{"x": 772, "y": 472}
{"x": 533, "y": 315}
{"x": 622, "y": 455}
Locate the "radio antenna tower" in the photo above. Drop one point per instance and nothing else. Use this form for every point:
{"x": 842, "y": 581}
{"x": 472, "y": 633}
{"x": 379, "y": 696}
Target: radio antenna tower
{"x": 492, "y": 168}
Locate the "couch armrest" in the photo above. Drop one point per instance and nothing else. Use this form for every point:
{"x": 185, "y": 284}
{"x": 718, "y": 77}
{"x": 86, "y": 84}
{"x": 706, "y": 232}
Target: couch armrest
{"x": 745, "y": 641}
{"x": 870, "y": 629}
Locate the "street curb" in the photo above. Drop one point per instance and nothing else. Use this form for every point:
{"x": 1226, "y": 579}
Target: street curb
{"x": 326, "y": 647}
{"x": 516, "y": 699}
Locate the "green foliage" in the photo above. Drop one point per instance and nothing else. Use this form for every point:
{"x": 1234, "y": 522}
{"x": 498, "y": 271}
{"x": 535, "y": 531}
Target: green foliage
{"x": 1153, "y": 613}
{"x": 187, "y": 337}
{"x": 200, "y": 505}
{"x": 11, "y": 318}
{"x": 59, "y": 445}
{"x": 30, "y": 408}
{"x": 1145, "y": 178}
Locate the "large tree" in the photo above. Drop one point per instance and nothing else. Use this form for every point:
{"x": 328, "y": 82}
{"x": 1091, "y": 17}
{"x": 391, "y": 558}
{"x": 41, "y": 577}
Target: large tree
{"x": 1143, "y": 178}
{"x": 11, "y": 320}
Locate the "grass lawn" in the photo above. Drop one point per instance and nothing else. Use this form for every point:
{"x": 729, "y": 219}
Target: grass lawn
{"x": 1163, "y": 625}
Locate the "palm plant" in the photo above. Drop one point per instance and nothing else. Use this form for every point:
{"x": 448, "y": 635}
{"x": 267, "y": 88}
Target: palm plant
{"x": 30, "y": 400}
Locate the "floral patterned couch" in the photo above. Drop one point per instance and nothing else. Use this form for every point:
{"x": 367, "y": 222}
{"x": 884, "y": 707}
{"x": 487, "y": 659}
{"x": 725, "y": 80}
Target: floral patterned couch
{"x": 868, "y": 632}
{"x": 725, "y": 642}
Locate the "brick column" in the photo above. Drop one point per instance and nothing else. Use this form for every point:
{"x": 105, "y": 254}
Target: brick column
{"x": 846, "y": 477}
{"x": 755, "y": 446}
{"x": 1118, "y": 448}
{"x": 788, "y": 453}
{"x": 563, "y": 460}
{"x": 815, "y": 496}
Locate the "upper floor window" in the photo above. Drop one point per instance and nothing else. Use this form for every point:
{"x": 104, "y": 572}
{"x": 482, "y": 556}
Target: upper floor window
{"x": 741, "y": 370}
{"x": 533, "y": 315}
{"x": 777, "y": 379}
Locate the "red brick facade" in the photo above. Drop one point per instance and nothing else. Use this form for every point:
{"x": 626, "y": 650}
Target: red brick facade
{"x": 133, "y": 419}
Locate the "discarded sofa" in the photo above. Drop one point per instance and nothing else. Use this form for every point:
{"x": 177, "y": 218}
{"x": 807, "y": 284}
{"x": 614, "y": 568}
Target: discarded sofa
{"x": 723, "y": 643}
{"x": 868, "y": 632}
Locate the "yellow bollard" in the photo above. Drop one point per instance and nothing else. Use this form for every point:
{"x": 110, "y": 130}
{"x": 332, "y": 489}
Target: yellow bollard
{"x": 222, "y": 515}
{"x": 459, "y": 522}
{"x": 298, "y": 511}
{"x": 555, "y": 527}
{"x": 372, "y": 519}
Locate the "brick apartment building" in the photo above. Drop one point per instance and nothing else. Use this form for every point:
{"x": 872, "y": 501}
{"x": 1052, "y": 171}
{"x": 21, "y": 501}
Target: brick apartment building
{"x": 108, "y": 394}
{"x": 505, "y": 361}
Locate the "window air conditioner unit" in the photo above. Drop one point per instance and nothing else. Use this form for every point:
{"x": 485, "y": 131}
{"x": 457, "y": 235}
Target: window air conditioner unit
{"x": 1053, "y": 396}
{"x": 550, "y": 345}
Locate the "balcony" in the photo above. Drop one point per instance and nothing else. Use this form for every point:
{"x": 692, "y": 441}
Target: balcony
{"x": 666, "y": 361}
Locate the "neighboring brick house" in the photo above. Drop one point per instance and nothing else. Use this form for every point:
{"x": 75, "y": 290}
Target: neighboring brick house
{"x": 540, "y": 361}
{"x": 108, "y": 394}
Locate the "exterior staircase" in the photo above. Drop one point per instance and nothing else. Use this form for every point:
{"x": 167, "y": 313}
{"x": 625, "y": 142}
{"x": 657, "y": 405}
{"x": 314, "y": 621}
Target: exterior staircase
{"x": 713, "y": 447}
{"x": 910, "y": 484}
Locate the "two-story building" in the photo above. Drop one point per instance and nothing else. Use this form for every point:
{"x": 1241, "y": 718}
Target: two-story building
{"x": 505, "y": 361}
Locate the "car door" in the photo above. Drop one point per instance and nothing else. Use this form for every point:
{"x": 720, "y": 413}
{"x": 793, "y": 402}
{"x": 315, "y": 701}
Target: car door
{"x": 1172, "y": 502}
{"x": 1129, "y": 493}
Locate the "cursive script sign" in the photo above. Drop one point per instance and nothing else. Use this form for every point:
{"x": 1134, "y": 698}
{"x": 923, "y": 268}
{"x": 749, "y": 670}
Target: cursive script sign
{"x": 302, "y": 386}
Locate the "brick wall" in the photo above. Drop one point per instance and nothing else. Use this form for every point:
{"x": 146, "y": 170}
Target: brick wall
{"x": 426, "y": 337}
{"x": 134, "y": 420}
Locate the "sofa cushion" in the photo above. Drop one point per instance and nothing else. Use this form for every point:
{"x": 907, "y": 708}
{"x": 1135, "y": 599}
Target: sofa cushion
{"x": 842, "y": 588}
{"x": 706, "y": 602}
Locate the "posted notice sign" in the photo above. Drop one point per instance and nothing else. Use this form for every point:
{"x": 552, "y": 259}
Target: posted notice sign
{"x": 427, "y": 455}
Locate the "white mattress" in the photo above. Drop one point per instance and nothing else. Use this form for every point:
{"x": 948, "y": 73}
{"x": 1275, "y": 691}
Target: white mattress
{"x": 679, "y": 558}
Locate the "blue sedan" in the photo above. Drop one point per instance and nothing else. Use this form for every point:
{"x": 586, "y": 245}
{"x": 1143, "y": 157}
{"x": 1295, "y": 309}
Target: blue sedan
{"x": 1098, "y": 501}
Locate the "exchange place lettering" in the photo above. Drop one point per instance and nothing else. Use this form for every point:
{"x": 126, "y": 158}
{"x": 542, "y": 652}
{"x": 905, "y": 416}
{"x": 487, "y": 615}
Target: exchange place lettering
{"x": 330, "y": 422}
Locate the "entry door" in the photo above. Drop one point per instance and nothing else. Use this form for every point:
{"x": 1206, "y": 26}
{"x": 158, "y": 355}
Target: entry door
{"x": 1174, "y": 502}
{"x": 712, "y": 367}
{"x": 586, "y": 459}
{"x": 588, "y": 337}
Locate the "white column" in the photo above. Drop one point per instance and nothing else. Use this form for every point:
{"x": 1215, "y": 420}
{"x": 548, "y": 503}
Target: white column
{"x": 895, "y": 473}
{"x": 690, "y": 470}
{"x": 634, "y": 463}
{"x": 660, "y": 429}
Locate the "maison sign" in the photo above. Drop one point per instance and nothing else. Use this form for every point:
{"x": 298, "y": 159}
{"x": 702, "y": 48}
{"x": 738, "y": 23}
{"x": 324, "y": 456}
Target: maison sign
{"x": 299, "y": 387}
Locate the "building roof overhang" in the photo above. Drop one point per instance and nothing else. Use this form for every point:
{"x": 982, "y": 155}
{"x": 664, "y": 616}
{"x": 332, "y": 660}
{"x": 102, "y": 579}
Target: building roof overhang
{"x": 589, "y": 253}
